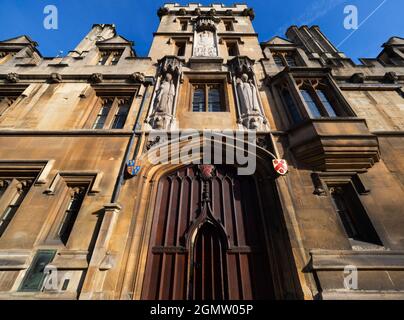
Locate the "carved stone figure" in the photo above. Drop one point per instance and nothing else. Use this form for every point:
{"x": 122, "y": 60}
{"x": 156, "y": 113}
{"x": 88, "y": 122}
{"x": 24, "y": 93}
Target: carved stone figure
{"x": 55, "y": 78}
{"x": 165, "y": 95}
{"x": 247, "y": 95}
{"x": 12, "y": 77}
{"x": 137, "y": 77}
{"x": 205, "y": 44}
{"x": 96, "y": 78}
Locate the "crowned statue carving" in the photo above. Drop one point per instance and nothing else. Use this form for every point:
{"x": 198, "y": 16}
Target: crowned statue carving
{"x": 165, "y": 95}
{"x": 163, "y": 103}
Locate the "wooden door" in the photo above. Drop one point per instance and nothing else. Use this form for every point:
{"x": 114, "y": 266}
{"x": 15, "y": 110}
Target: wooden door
{"x": 208, "y": 238}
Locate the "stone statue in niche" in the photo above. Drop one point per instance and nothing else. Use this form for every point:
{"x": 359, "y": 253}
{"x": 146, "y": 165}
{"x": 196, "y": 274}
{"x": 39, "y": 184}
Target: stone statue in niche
{"x": 205, "y": 44}
{"x": 165, "y": 95}
{"x": 248, "y": 96}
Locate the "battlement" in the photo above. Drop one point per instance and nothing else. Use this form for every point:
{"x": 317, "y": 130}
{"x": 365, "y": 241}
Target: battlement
{"x": 199, "y": 9}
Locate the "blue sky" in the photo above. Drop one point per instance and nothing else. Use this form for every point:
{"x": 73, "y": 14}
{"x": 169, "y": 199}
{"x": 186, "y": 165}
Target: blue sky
{"x": 137, "y": 20}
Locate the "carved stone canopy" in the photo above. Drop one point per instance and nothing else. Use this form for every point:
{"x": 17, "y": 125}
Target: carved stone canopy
{"x": 242, "y": 65}
{"x": 204, "y": 23}
{"x": 170, "y": 64}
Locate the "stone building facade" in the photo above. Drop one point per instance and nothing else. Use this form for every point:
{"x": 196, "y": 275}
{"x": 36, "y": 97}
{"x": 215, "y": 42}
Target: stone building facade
{"x": 80, "y": 220}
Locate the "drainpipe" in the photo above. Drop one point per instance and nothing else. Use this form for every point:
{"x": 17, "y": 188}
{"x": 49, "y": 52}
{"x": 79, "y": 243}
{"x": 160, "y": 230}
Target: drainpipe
{"x": 149, "y": 81}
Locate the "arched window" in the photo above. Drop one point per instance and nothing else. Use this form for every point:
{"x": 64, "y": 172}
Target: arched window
{"x": 317, "y": 98}
{"x": 291, "y": 107}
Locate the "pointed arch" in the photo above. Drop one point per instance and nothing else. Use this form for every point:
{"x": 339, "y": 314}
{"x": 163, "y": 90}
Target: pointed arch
{"x": 208, "y": 278}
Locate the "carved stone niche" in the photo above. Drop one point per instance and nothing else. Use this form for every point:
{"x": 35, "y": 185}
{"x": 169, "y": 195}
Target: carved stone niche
{"x": 334, "y": 144}
{"x": 248, "y": 101}
{"x": 205, "y": 38}
{"x": 165, "y": 97}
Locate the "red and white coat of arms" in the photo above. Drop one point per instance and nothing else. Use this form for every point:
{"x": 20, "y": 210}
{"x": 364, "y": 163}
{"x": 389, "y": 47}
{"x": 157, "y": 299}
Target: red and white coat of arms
{"x": 280, "y": 166}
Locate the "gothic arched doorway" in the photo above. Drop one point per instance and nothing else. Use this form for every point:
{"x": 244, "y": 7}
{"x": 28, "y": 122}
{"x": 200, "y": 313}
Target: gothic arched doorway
{"x": 209, "y": 239}
{"x": 208, "y": 273}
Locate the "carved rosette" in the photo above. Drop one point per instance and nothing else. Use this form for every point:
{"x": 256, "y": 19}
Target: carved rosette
{"x": 248, "y": 101}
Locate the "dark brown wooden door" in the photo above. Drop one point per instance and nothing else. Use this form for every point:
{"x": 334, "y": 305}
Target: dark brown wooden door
{"x": 208, "y": 239}
{"x": 208, "y": 275}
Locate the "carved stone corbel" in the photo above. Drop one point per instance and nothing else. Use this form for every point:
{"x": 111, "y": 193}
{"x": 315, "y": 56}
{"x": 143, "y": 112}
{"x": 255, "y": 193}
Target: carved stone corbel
{"x": 182, "y": 12}
{"x": 55, "y": 78}
{"x": 137, "y": 77}
{"x": 358, "y": 77}
{"x": 162, "y": 12}
{"x": 12, "y": 77}
{"x": 228, "y": 12}
{"x": 96, "y": 78}
{"x": 249, "y": 12}
{"x": 390, "y": 77}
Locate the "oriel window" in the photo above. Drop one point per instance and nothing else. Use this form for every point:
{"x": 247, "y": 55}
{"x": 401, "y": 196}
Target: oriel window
{"x": 278, "y": 60}
{"x": 316, "y": 96}
{"x": 292, "y": 109}
{"x": 109, "y": 57}
{"x": 207, "y": 97}
{"x": 314, "y": 109}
